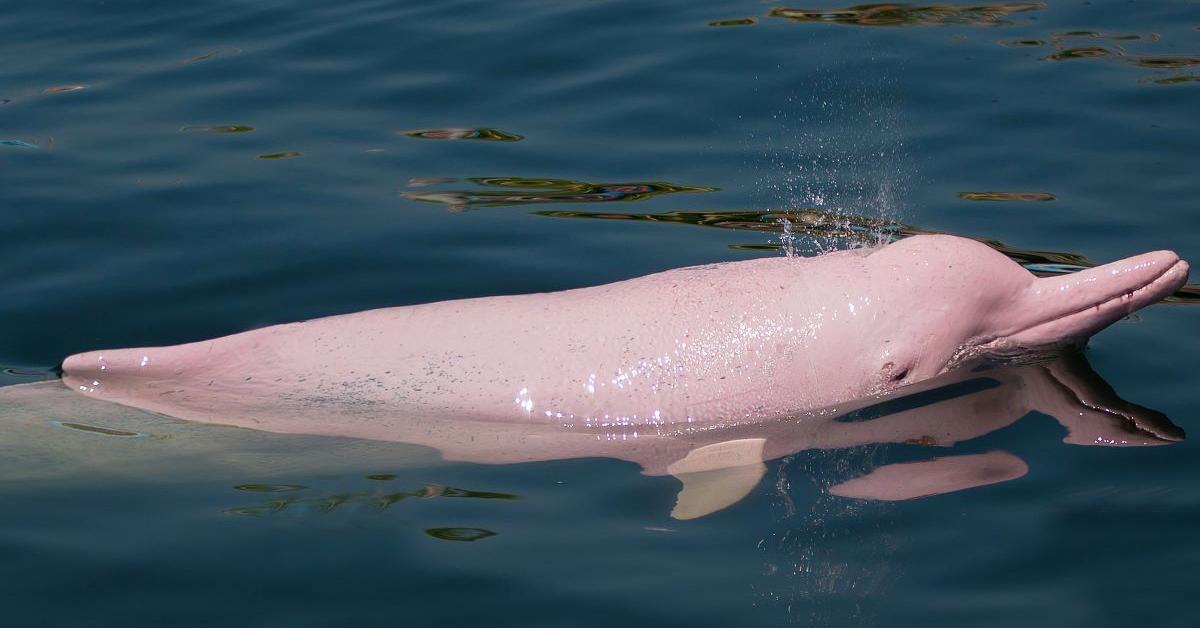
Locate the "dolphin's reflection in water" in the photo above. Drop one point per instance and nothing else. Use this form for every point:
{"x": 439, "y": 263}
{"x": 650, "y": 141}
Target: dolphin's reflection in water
{"x": 954, "y": 408}
{"x": 718, "y": 465}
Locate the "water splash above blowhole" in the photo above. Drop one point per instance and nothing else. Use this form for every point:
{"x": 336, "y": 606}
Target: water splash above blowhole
{"x": 814, "y": 160}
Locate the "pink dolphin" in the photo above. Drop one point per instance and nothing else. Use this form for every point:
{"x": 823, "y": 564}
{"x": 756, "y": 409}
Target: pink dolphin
{"x": 720, "y": 344}
{"x": 689, "y": 372}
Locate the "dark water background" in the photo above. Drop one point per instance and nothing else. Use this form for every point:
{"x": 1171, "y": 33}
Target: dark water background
{"x": 228, "y": 165}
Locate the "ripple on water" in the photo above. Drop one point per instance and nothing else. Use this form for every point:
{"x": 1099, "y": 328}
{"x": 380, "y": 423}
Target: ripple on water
{"x": 373, "y": 500}
{"x": 220, "y": 129}
{"x": 1066, "y": 48}
{"x": 529, "y": 191}
{"x": 270, "y": 488}
{"x": 382, "y": 477}
{"x": 740, "y": 21}
{"x": 17, "y": 372}
{"x": 459, "y": 534}
{"x": 1173, "y": 80}
{"x": 1068, "y": 45}
{"x": 1083, "y": 52}
{"x": 894, "y": 14}
{"x": 63, "y": 89}
{"x": 1024, "y": 197}
{"x": 1059, "y": 37}
{"x": 1022, "y": 43}
{"x": 218, "y": 53}
{"x": 421, "y": 182}
{"x": 1165, "y": 62}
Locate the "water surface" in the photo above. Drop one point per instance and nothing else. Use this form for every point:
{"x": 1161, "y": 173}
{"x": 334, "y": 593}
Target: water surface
{"x": 173, "y": 172}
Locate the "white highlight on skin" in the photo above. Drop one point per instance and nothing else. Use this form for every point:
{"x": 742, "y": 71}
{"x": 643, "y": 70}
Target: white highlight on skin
{"x": 524, "y": 401}
{"x": 715, "y": 355}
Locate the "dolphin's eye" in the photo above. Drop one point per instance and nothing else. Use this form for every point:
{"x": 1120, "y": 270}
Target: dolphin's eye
{"x": 900, "y": 375}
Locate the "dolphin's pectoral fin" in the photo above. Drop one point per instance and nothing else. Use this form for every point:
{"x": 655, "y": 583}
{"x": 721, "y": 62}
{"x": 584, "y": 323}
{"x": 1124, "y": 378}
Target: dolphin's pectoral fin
{"x": 706, "y": 492}
{"x": 717, "y": 476}
{"x": 910, "y": 480}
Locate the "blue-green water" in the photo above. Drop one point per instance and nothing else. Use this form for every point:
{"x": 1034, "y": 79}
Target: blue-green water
{"x": 171, "y": 172}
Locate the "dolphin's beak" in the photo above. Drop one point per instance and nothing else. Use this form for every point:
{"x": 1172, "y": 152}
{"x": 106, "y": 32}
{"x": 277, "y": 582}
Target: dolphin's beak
{"x": 1070, "y": 308}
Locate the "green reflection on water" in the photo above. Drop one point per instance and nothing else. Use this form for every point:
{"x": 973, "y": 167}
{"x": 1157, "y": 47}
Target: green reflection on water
{"x": 1058, "y": 37}
{"x": 899, "y": 14}
{"x": 450, "y": 491}
{"x": 270, "y": 488}
{"x": 741, "y": 21}
{"x": 1022, "y": 43}
{"x": 528, "y": 191}
{"x": 1174, "y": 80}
{"x": 1026, "y": 197}
{"x": 1165, "y": 63}
{"x": 221, "y": 128}
{"x": 459, "y": 534}
{"x": 1066, "y": 51}
{"x": 1088, "y": 52}
{"x": 376, "y": 501}
{"x": 262, "y": 510}
{"x": 383, "y": 477}
{"x": 486, "y": 134}
{"x": 856, "y": 231}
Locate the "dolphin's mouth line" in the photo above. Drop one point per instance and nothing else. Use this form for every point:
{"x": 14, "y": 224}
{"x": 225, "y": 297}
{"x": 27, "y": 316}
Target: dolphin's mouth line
{"x": 1128, "y": 295}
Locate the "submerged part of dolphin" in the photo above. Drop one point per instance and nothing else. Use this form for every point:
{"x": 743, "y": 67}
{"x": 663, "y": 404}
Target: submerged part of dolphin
{"x": 51, "y": 432}
{"x": 694, "y": 350}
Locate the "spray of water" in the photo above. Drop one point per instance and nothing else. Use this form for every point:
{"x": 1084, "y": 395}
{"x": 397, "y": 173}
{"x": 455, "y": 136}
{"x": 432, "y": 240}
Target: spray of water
{"x": 837, "y": 147}
{"x": 787, "y": 238}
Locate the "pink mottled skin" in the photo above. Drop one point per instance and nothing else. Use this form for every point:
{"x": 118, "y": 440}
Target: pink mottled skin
{"x": 717, "y": 345}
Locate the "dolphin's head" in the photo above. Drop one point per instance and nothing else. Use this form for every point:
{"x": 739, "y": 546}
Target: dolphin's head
{"x": 952, "y": 298}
